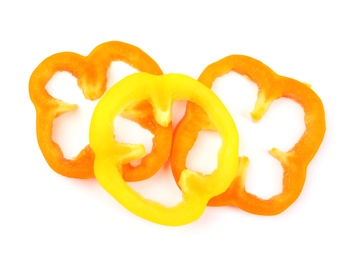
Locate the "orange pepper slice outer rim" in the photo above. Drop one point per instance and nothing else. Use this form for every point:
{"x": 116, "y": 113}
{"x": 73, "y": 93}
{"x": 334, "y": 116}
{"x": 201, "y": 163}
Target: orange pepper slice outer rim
{"x": 271, "y": 86}
{"x": 90, "y": 72}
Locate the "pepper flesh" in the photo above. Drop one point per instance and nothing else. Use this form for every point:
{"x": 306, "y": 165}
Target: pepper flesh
{"x": 161, "y": 92}
{"x": 271, "y": 86}
{"x": 90, "y": 72}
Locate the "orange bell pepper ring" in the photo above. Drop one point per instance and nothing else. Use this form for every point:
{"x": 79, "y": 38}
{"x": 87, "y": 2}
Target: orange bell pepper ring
{"x": 90, "y": 72}
{"x": 161, "y": 92}
{"x": 271, "y": 86}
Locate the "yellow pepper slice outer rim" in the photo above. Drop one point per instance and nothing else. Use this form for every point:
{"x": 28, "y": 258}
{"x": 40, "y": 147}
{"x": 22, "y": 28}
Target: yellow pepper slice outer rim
{"x": 161, "y": 91}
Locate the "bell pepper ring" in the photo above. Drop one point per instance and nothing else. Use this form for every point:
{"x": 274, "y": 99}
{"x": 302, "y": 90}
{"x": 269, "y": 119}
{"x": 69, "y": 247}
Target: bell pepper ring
{"x": 90, "y": 72}
{"x": 271, "y": 86}
{"x": 161, "y": 92}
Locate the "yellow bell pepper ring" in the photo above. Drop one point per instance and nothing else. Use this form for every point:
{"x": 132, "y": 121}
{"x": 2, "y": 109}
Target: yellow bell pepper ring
{"x": 161, "y": 91}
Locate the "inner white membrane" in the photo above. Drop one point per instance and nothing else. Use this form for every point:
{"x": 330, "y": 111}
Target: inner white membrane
{"x": 71, "y": 129}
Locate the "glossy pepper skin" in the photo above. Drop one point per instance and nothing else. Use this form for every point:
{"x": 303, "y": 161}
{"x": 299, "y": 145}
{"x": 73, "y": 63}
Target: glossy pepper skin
{"x": 271, "y": 86}
{"x": 161, "y": 92}
{"x": 90, "y": 72}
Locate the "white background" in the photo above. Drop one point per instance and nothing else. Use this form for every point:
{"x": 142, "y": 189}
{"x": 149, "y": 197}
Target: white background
{"x": 47, "y": 216}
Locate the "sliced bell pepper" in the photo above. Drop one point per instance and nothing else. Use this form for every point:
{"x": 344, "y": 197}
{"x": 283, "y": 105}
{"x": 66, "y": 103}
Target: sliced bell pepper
{"x": 161, "y": 92}
{"x": 271, "y": 86}
{"x": 90, "y": 72}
